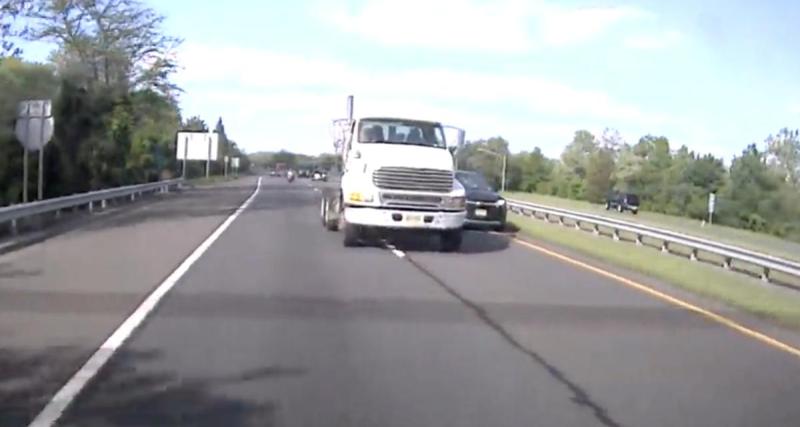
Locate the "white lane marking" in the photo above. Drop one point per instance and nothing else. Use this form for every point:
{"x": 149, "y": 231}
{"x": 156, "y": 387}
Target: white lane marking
{"x": 316, "y": 189}
{"x": 69, "y": 391}
{"x": 397, "y": 252}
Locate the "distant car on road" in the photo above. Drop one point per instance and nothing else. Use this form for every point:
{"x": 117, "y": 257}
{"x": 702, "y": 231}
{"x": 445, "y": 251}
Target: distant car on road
{"x": 622, "y": 202}
{"x": 319, "y": 175}
{"x": 485, "y": 207}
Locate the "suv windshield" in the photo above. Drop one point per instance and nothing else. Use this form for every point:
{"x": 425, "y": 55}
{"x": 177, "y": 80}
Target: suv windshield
{"x": 393, "y": 131}
{"x": 473, "y": 181}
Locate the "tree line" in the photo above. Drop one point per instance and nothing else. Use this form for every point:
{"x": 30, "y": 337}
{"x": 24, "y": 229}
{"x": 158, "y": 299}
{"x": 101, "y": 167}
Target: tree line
{"x": 759, "y": 190}
{"x": 115, "y": 105}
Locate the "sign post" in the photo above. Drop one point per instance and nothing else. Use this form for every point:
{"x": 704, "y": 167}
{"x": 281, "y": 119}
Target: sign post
{"x": 225, "y": 166}
{"x": 24, "y": 175}
{"x": 208, "y": 158}
{"x": 712, "y": 201}
{"x": 33, "y": 129}
{"x": 185, "y": 157}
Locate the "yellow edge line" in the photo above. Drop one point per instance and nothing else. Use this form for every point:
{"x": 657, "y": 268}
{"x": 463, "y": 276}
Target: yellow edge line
{"x": 766, "y": 339}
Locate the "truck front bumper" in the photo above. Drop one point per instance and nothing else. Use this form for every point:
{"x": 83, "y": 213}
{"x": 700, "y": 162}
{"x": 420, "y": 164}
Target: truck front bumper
{"x": 404, "y": 219}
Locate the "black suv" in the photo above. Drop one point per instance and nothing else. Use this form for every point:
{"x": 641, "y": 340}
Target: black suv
{"x": 623, "y": 202}
{"x": 485, "y": 207}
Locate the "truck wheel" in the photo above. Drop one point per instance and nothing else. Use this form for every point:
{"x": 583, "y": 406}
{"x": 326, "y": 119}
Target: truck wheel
{"x": 331, "y": 215}
{"x": 451, "y": 240}
{"x": 352, "y": 235}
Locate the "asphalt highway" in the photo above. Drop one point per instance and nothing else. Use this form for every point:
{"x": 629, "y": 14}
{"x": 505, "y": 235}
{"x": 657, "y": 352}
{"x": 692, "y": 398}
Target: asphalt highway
{"x": 276, "y": 324}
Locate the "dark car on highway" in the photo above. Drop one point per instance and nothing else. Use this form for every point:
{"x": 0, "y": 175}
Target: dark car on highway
{"x": 485, "y": 207}
{"x": 622, "y": 202}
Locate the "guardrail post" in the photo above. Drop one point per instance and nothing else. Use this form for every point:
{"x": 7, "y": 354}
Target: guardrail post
{"x": 726, "y": 263}
{"x": 638, "y": 240}
{"x": 577, "y": 224}
{"x": 665, "y": 247}
{"x": 560, "y": 220}
{"x": 103, "y": 204}
{"x": 91, "y": 206}
{"x": 58, "y": 213}
{"x": 133, "y": 196}
{"x": 765, "y": 275}
{"x": 13, "y": 227}
{"x": 596, "y": 229}
{"x": 615, "y": 235}
{"x": 693, "y": 255}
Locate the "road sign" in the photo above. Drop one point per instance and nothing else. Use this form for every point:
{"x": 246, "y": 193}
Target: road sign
{"x": 712, "y": 202}
{"x": 34, "y": 127}
{"x": 235, "y": 162}
{"x": 197, "y": 146}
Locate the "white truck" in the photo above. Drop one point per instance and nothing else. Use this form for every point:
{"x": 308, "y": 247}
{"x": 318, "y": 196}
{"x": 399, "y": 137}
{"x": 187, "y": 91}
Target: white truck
{"x": 398, "y": 174}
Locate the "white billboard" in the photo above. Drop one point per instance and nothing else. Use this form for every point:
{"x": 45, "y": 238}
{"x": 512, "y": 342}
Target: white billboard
{"x": 197, "y": 146}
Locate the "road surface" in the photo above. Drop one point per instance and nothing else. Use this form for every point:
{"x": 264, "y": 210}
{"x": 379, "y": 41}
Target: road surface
{"x": 278, "y": 325}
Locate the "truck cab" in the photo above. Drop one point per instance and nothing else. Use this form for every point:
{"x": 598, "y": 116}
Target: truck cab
{"x": 398, "y": 174}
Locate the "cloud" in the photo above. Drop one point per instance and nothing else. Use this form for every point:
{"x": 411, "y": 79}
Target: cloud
{"x": 272, "y": 99}
{"x": 661, "y": 40}
{"x": 561, "y": 26}
{"x": 504, "y": 26}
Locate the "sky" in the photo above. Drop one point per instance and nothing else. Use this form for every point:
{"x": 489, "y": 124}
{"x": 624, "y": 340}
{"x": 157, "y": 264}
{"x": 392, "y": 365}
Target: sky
{"x": 712, "y": 75}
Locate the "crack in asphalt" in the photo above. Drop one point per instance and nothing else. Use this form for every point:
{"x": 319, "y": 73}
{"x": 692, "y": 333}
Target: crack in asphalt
{"x": 580, "y": 396}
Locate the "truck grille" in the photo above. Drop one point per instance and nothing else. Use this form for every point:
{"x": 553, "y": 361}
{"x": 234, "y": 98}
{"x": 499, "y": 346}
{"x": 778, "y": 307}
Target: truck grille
{"x": 413, "y": 179}
{"x": 402, "y": 200}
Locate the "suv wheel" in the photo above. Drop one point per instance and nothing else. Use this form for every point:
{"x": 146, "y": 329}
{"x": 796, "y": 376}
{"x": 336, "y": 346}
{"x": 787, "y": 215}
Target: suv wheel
{"x": 451, "y": 240}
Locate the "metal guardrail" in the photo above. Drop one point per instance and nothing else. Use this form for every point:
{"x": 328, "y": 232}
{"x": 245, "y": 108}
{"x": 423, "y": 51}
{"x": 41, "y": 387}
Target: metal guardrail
{"x": 11, "y": 214}
{"x": 729, "y": 253}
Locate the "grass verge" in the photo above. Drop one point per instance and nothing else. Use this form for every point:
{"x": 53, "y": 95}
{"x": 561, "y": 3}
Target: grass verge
{"x": 702, "y": 279}
{"x": 745, "y": 238}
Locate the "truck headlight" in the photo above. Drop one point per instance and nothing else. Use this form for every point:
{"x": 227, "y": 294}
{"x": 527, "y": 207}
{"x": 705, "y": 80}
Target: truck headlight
{"x": 501, "y": 202}
{"x": 457, "y": 202}
{"x": 360, "y": 197}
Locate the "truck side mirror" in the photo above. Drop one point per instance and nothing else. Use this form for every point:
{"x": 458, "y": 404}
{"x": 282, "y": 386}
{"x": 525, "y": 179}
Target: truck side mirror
{"x": 452, "y": 149}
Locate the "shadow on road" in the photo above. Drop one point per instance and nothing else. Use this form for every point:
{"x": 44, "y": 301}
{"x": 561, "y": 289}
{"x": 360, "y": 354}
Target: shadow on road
{"x": 29, "y": 378}
{"x": 475, "y": 242}
{"x": 7, "y": 271}
{"x": 127, "y": 394}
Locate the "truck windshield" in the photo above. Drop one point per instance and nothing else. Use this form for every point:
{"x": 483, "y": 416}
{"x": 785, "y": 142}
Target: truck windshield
{"x": 394, "y": 131}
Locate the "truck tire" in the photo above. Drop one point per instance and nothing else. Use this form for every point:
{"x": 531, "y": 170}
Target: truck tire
{"x": 451, "y": 240}
{"x": 331, "y": 214}
{"x": 352, "y": 235}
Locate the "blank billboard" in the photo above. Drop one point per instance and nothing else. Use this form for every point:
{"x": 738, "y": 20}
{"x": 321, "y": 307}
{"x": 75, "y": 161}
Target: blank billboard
{"x": 197, "y": 146}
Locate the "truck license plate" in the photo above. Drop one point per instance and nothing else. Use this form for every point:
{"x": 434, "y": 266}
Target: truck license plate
{"x": 414, "y": 219}
{"x": 480, "y": 212}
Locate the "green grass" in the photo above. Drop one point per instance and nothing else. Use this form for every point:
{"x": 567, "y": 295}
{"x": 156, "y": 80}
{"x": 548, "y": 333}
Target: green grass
{"x": 747, "y": 239}
{"x": 732, "y": 288}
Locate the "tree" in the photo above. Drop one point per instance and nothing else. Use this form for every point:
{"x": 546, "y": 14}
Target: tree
{"x": 112, "y": 42}
{"x": 9, "y": 11}
{"x": 783, "y": 153}
{"x": 599, "y": 173}
{"x": 194, "y": 124}
{"x": 531, "y": 172}
{"x": 576, "y": 155}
